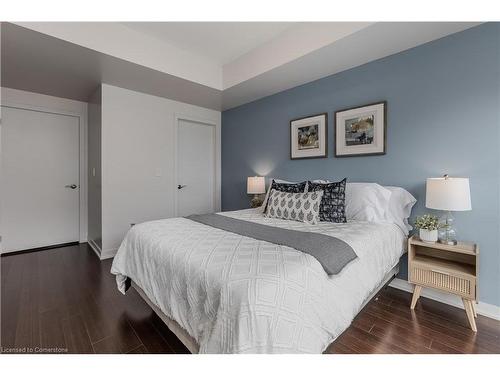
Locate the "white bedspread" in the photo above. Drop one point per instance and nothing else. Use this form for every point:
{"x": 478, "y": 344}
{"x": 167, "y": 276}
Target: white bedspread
{"x": 235, "y": 294}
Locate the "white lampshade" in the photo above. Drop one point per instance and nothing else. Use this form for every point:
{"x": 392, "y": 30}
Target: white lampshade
{"x": 448, "y": 194}
{"x": 256, "y": 185}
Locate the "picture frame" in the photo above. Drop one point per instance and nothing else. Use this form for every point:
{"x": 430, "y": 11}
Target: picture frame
{"x": 309, "y": 137}
{"x": 361, "y": 131}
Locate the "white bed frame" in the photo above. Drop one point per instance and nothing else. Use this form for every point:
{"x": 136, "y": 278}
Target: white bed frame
{"x": 191, "y": 343}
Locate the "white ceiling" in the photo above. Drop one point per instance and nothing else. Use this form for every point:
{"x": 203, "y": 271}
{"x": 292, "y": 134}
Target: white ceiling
{"x": 355, "y": 48}
{"x": 228, "y": 63}
{"x": 36, "y": 62}
{"x": 221, "y": 41}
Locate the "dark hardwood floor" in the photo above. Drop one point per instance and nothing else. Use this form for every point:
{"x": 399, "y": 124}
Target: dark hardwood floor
{"x": 65, "y": 300}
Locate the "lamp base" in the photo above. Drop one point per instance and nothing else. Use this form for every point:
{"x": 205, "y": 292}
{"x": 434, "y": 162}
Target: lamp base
{"x": 447, "y": 233}
{"x": 256, "y": 201}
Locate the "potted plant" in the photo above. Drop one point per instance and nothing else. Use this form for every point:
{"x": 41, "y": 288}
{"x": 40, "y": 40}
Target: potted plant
{"x": 428, "y": 226}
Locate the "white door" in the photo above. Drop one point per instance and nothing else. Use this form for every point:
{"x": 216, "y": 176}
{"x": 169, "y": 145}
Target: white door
{"x": 195, "y": 168}
{"x": 40, "y": 179}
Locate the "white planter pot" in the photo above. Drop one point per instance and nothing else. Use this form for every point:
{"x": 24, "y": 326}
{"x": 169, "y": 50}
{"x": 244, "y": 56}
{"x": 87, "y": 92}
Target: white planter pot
{"x": 428, "y": 235}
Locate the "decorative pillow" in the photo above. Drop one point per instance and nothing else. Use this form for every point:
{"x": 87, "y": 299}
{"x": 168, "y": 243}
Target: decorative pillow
{"x": 294, "y": 206}
{"x": 332, "y": 206}
{"x": 289, "y": 187}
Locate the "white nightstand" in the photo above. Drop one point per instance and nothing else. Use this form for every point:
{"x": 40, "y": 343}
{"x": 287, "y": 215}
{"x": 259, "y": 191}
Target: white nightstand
{"x": 452, "y": 269}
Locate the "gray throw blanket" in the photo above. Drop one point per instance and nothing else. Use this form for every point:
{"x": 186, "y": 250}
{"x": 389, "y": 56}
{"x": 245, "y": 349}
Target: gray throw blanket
{"x": 332, "y": 253}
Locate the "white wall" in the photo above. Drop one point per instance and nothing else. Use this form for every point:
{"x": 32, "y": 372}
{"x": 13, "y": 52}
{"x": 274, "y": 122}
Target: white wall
{"x": 130, "y": 140}
{"x": 138, "y": 138}
{"x": 30, "y": 100}
{"x": 94, "y": 171}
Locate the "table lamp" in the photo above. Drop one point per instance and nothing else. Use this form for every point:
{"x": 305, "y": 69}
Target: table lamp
{"x": 256, "y": 185}
{"x": 448, "y": 194}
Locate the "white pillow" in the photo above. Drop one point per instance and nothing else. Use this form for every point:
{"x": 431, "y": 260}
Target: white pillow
{"x": 277, "y": 180}
{"x": 399, "y": 207}
{"x": 372, "y": 202}
{"x": 366, "y": 201}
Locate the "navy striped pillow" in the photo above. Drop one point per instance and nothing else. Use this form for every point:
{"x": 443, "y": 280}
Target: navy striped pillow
{"x": 332, "y": 206}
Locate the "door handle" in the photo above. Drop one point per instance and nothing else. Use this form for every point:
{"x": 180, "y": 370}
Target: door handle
{"x": 181, "y": 186}
{"x": 72, "y": 186}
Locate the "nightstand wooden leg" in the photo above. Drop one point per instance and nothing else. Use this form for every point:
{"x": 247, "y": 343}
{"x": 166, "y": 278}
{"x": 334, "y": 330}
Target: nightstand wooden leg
{"x": 470, "y": 313}
{"x": 474, "y": 309}
{"x": 416, "y": 295}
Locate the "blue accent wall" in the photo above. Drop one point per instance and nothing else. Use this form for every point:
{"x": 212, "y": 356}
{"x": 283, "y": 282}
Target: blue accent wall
{"x": 443, "y": 107}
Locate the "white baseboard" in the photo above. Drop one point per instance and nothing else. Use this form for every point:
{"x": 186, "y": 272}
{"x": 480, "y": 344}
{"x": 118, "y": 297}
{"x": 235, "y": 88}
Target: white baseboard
{"x": 108, "y": 253}
{"x": 483, "y": 308}
{"x": 95, "y": 247}
{"x": 102, "y": 254}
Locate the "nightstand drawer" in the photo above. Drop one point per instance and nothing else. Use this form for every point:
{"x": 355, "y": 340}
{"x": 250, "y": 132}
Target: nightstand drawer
{"x": 462, "y": 285}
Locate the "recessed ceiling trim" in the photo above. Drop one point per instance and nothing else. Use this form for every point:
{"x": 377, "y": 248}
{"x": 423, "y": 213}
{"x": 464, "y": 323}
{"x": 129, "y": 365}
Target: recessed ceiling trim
{"x": 221, "y": 42}
{"x": 301, "y": 53}
{"x": 371, "y": 43}
{"x": 115, "y": 39}
{"x": 292, "y": 44}
{"x": 36, "y": 62}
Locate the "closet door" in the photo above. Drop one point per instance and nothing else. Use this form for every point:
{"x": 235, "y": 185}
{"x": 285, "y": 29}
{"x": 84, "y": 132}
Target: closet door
{"x": 195, "y": 167}
{"x": 39, "y": 178}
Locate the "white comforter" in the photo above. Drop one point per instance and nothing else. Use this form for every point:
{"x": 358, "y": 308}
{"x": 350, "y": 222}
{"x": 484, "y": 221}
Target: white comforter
{"x": 235, "y": 294}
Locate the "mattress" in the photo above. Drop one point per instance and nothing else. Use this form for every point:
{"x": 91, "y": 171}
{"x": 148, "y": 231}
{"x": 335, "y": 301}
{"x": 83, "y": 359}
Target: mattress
{"x": 235, "y": 294}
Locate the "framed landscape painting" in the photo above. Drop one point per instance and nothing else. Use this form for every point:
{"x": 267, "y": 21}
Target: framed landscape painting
{"x": 361, "y": 131}
{"x": 308, "y": 137}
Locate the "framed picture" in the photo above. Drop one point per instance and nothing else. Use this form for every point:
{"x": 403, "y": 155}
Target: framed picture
{"x": 308, "y": 137}
{"x": 361, "y": 131}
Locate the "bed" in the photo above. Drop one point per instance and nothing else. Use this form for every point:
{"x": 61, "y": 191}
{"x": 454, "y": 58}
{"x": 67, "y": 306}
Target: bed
{"x": 221, "y": 292}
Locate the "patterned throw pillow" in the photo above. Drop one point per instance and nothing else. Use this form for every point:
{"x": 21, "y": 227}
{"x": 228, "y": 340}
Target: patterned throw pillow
{"x": 294, "y": 206}
{"x": 299, "y": 187}
{"x": 332, "y": 206}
